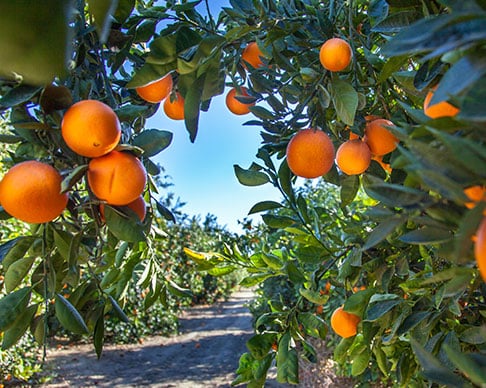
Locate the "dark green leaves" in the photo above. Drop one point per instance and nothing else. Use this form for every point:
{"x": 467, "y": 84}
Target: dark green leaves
{"x": 36, "y": 45}
{"x": 124, "y": 227}
{"x": 12, "y": 306}
{"x": 152, "y": 141}
{"x": 102, "y": 11}
{"x": 287, "y": 361}
{"x": 251, "y": 177}
{"x": 345, "y": 100}
{"x": 69, "y": 317}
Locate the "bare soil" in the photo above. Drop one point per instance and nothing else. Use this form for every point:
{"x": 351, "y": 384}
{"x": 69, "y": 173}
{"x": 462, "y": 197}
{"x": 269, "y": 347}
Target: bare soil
{"x": 204, "y": 354}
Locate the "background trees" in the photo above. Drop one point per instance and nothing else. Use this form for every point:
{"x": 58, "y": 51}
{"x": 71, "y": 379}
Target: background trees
{"x": 401, "y": 230}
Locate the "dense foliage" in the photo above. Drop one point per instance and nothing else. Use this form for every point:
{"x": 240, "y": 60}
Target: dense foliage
{"x": 401, "y": 234}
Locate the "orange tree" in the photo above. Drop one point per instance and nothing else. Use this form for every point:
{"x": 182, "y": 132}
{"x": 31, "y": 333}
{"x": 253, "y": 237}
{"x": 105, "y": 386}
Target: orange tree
{"x": 421, "y": 314}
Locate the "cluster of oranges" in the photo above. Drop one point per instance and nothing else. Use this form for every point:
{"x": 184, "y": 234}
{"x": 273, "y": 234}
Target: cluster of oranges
{"x": 31, "y": 190}
{"x": 161, "y": 90}
{"x": 311, "y": 153}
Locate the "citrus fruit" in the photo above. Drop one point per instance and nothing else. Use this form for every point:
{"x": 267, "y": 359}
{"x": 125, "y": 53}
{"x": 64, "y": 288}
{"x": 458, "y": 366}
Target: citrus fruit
{"x": 138, "y": 206}
{"x": 156, "y": 91}
{"x": 440, "y": 109}
{"x": 353, "y": 157}
{"x": 480, "y": 248}
{"x": 343, "y": 323}
{"x": 476, "y": 194}
{"x": 335, "y": 54}
{"x": 310, "y": 153}
{"x": 91, "y": 128}
{"x": 174, "y": 109}
{"x": 235, "y": 106}
{"x": 380, "y": 140}
{"x": 117, "y": 178}
{"x": 31, "y": 192}
{"x": 252, "y": 55}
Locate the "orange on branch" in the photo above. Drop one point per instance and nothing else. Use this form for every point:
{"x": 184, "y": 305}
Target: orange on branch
{"x": 31, "y": 192}
{"x": 91, "y": 128}
{"x": 480, "y": 248}
{"x": 252, "y": 55}
{"x": 379, "y": 138}
{"x": 117, "y": 178}
{"x": 343, "y": 323}
{"x": 156, "y": 91}
{"x": 353, "y": 157}
{"x": 234, "y": 105}
{"x": 335, "y": 54}
{"x": 440, "y": 109}
{"x": 310, "y": 153}
{"x": 174, "y": 109}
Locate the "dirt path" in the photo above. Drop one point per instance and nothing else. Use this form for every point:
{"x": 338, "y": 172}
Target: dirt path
{"x": 205, "y": 354}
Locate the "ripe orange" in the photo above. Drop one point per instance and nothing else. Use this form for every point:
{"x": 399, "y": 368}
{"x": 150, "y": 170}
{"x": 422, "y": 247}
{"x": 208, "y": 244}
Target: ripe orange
{"x": 91, "y": 128}
{"x": 335, "y": 54}
{"x": 138, "y": 206}
{"x": 174, "y": 109}
{"x": 441, "y": 109}
{"x": 31, "y": 192}
{"x": 353, "y": 157}
{"x": 310, "y": 153}
{"x": 343, "y": 323}
{"x": 156, "y": 91}
{"x": 235, "y": 106}
{"x": 480, "y": 248}
{"x": 117, "y": 178}
{"x": 380, "y": 140}
{"x": 253, "y": 55}
{"x": 475, "y": 194}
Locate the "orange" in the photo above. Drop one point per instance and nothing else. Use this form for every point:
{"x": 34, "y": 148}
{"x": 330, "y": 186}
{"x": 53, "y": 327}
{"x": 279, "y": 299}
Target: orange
{"x": 343, "y": 323}
{"x": 480, "y": 248}
{"x": 335, "y": 54}
{"x": 91, "y": 128}
{"x": 138, "y": 206}
{"x": 310, "y": 153}
{"x": 441, "y": 109}
{"x": 253, "y": 55}
{"x": 117, "y": 178}
{"x": 156, "y": 91}
{"x": 475, "y": 194}
{"x": 174, "y": 109}
{"x": 31, "y": 192}
{"x": 380, "y": 140}
{"x": 353, "y": 157}
{"x": 235, "y": 106}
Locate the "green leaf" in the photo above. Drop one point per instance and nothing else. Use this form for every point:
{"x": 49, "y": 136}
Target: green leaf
{"x": 12, "y": 306}
{"x": 345, "y": 100}
{"x": 277, "y": 222}
{"x": 99, "y": 334}
{"x": 394, "y": 195}
{"x": 253, "y": 280}
{"x": 164, "y": 212}
{"x": 467, "y": 365}
{"x": 426, "y": 235}
{"x": 349, "y": 189}
{"x": 177, "y": 290}
{"x": 73, "y": 177}
{"x": 285, "y": 179}
{"x": 475, "y": 335}
{"x": 36, "y": 45}
{"x": 378, "y": 309}
{"x": 433, "y": 369}
{"x": 152, "y": 141}
{"x": 250, "y": 177}
{"x": 262, "y": 113}
{"x": 192, "y": 105}
{"x": 124, "y": 10}
{"x": 19, "y": 327}
{"x": 382, "y": 231}
{"x": 102, "y": 11}
{"x": 260, "y": 344}
{"x": 150, "y": 72}
{"x": 118, "y": 310}
{"x": 18, "y": 95}
{"x": 15, "y": 249}
{"x": 69, "y": 317}
{"x": 474, "y": 100}
{"x": 360, "y": 363}
{"x": 124, "y": 227}
{"x": 313, "y": 296}
{"x": 16, "y": 272}
{"x": 287, "y": 361}
{"x": 264, "y": 206}
{"x": 313, "y": 325}
{"x": 221, "y": 271}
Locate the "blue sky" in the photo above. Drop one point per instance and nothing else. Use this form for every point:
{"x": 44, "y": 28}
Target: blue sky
{"x": 202, "y": 172}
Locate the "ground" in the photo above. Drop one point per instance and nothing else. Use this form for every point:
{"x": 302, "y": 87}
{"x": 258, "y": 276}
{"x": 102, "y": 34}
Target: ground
{"x": 205, "y": 354}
